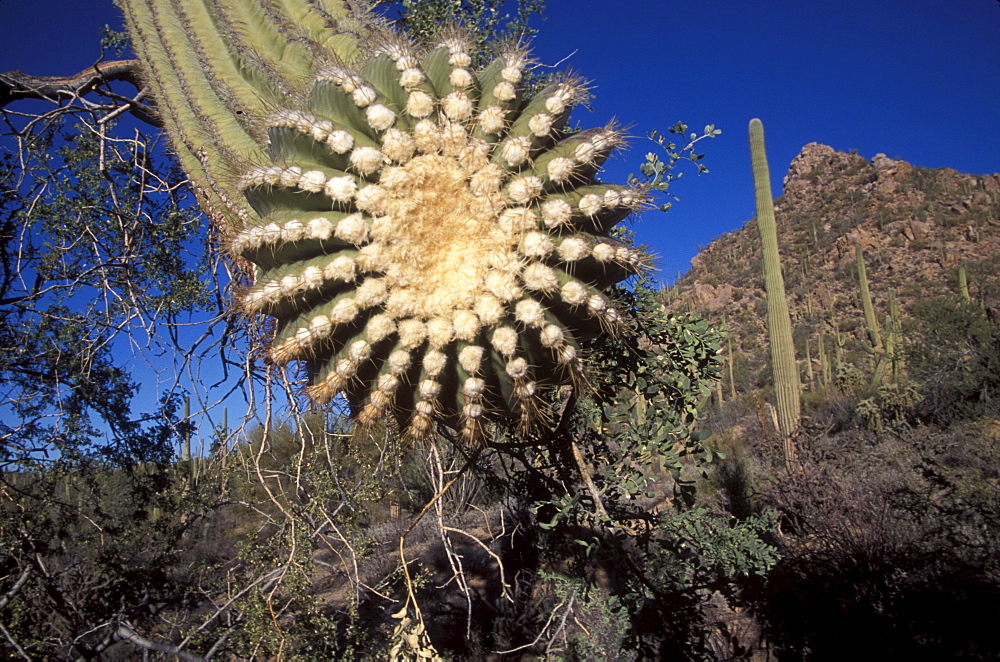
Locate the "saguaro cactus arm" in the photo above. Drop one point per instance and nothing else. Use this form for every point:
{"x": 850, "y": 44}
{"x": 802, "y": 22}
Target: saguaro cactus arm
{"x": 217, "y": 69}
{"x": 779, "y": 323}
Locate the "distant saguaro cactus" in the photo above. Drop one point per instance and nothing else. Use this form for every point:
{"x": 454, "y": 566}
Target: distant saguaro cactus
{"x": 871, "y": 321}
{"x": 779, "y": 323}
{"x": 431, "y": 240}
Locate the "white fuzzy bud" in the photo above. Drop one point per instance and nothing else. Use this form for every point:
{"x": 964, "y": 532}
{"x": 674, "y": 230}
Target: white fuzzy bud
{"x": 560, "y": 169}
{"x": 523, "y": 190}
{"x": 398, "y": 146}
{"x": 551, "y": 336}
{"x": 529, "y": 312}
{"x": 379, "y": 328}
{"x": 466, "y": 324}
{"x": 439, "y": 332}
{"x": 597, "y": 304}
{"x": 427, "y": 136}
{"x": 379, "y": 117}
{"x": 412, "y": 333}
{"x": 504, "y": 91}
{"x": 292, "y": 231}
{"x": 341, "y": 189}
{"x": 435, "y": 362}
{"x": 460, "y": 78}
{"x": 457, "y": 106}
{"x": 360, "y": 351}
{"x": 399, "y": 362}
{"x": 503, "y": 285}
{"x": 489, "y": 309}
{"x": 312, "y": 181}
{"x": 504, "y": 340}
{"x": 352, "y": 229}
{"x": 344, "y": 311}
{"x": 341, "y": 142}
{"x": 536, "y": 244}
{"x": 517, "y": 220}
{"x": 540, "y": 278}
{"x": 540, "y": 124}
{"x": 516, "y": 150}
{"x": 312, "y": 277}
{"x": 511, "y": 74}
{"x": 487, "y": 180}
{"x": 556, "y": 213}
{"x": 574, "y": 293}
{"x": 573, "y": 249}
{"x": 604, "y": 252}
{"x": 429, "y": 389}
{"x": 364, "y": 96}
{"x": 419, "y": 104}
{"x": 473, "y": 387}
{"x": 591, "y": 204}
{"x": 290, "y": 177}
{"x": 491, "y": 119}
{"x": 517, "y": 368}
{"x": 585, "y": 152}
{"x": 319, "y": 229}
{"x": 366, "y": 160}
{"x": 371, "y": 292}
{"x": 342, "y": 268}
{"x": 411, "y": 78}
{"x": 370, "y": 198}
{"x": 471, "y": 358}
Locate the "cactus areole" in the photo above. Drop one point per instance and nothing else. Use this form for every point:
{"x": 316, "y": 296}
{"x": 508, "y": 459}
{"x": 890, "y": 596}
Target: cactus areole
{"x": 431, "y": 242}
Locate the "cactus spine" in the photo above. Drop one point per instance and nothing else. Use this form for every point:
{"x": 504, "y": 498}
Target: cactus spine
{"x": 432, "y": 241}
{"x": 779, "y": 323}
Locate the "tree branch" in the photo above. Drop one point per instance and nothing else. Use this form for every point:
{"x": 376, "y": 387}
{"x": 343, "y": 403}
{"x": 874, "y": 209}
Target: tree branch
{"x": 17, "y": 85}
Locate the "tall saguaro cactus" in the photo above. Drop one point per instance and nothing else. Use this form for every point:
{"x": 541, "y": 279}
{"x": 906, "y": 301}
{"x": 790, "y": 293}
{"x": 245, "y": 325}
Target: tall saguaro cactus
{"x": 779, "y": 323}
{"x": 431, "y": 240}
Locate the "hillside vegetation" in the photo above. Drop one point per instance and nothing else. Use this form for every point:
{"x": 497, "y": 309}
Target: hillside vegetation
{"x": 888, "y": 522}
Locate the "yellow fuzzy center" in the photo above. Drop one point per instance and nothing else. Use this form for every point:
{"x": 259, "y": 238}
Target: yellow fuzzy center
{"x": 439, "y": 240}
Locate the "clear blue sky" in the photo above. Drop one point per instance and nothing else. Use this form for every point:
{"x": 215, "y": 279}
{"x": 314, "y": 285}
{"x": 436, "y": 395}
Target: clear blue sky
{"x": 917, "y": 80}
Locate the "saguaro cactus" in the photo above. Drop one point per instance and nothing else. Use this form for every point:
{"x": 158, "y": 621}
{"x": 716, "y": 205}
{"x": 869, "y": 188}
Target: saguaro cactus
{"x": 871, "y": 321}
{"x": 431, "y": 241}
{"x": 779, "y": 323}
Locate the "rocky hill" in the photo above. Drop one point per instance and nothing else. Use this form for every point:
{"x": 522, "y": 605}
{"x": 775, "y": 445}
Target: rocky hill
{"x": 916, "y": 226}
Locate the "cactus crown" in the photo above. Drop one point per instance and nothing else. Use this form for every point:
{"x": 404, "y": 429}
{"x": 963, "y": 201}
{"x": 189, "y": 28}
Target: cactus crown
{"x": 430, "y": 238}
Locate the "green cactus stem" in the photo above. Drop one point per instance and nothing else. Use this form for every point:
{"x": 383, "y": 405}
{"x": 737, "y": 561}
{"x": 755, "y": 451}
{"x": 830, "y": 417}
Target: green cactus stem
{"x": 871, "y": 322}
{"x": 217, "y": 69}
{"x": 963, "y": 285}
{"x": 895, "y": 326}
{"x": 730, "y": 358}
{"x": 824, "y": 361}
{"x": 810, "y": 376}
{"x": 779, "y": 324}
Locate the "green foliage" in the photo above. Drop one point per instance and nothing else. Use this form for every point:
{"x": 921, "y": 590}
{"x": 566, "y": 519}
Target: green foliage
{"x": 954, "y": 357}
{"x": 658, "y": 173}
{"x": 88, "y": 256}
{"x": 888, "y": 407}
{"x": 490, "y": 21}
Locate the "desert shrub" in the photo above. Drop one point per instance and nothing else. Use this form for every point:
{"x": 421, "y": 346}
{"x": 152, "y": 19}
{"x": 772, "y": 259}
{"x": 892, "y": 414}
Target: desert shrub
{"x": 892, "y": 543}
{"x": 889, "y": 406}
{"x": 954, "y": 356}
